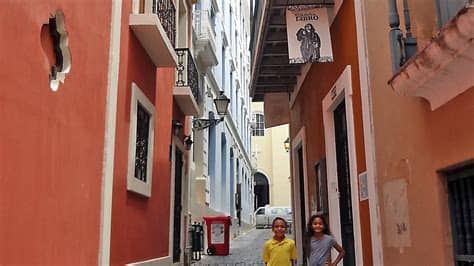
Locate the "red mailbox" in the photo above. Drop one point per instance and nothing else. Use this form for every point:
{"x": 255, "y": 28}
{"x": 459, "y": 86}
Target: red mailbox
{"x": 218, "y": 232}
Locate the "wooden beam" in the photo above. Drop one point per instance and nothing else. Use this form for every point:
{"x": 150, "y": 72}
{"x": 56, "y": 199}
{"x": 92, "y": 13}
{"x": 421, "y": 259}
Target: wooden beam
{"x": 274, "y": 85}
{"x": 301, "y": 2}
{"x": 272, "y": 61}
{"x": 276, "y": 36}
{"x": 277, "y": 26}
{"x": 277, "y": 20}
{"x": 275, "y": 50}
{"x": 287, "y": 80}
{"x": 290, "y": 70}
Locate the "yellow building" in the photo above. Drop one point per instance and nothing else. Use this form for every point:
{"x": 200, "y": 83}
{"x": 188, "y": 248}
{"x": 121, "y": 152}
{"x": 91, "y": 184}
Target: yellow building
{"x": 271, "y": 161}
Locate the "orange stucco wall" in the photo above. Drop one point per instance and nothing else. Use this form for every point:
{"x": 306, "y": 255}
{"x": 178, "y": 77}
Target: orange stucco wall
{"x": 140, "y": 225}
{"x": 411, "y": 144}
{"x": 51, "y": 143}
{"x": 307, "y": 110}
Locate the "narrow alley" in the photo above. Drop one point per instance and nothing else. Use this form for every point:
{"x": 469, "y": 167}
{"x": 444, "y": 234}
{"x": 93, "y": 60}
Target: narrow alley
{"x": 244, "y": 250}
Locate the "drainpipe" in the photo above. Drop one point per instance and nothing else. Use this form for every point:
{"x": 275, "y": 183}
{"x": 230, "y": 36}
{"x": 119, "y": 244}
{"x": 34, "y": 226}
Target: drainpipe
{"x": 395, "y": 36}
{"x": 410, "y": 41}
{"x": 401, "y": 47}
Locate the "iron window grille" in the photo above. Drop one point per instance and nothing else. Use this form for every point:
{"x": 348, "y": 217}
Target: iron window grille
{"x": 460, "y": 184}
{"x": 141, "y": 153}
{"x": 140, "y": 148}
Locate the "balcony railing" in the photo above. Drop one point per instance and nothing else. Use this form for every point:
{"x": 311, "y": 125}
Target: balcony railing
{"x": 166, "y": 12}
{"x": 205, "y": 38}
{"x": 186, "y": 73}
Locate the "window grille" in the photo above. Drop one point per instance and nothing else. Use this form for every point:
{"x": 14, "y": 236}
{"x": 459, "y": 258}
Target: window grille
{"x": 141, "y": 153}
{"x": 140, "y": 147}
{"x": 461, "y": 207}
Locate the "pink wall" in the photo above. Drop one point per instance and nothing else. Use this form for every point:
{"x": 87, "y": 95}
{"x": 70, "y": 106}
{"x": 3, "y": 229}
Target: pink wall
{"x": 412, "y": 143}
{"x": 140, "y": 225}
{"x": 51, "y": 144}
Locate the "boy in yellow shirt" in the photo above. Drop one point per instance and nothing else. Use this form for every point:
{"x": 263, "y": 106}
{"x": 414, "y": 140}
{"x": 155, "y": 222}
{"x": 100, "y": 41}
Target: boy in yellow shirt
{"x": 279, "y": 251}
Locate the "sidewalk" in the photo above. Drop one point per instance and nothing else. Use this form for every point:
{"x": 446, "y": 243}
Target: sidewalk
{"x": 245, "y": 250}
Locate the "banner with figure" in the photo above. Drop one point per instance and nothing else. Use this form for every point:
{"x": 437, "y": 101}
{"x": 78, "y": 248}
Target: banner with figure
{"x": 309, "y": 39}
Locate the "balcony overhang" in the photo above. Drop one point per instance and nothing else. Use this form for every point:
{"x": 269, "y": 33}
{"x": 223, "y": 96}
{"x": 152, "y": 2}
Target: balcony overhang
{"x": 152, "y": 36}
{"x": 444, "y": 68}
{"x": 185, "y": 99}
{"x": 206, "y": 51}
{"x": 271, "y": 71}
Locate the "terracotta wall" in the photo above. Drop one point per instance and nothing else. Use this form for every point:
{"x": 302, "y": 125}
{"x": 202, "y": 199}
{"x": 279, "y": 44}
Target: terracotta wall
{"x": 307, "y": 110}
{"x": 412, "y": 143}
{"x": 140, "y": 225}
{"x": 51, "y": 143}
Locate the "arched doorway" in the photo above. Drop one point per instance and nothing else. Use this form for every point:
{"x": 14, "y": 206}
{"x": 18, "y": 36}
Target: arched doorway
{"x": 262, "y": 195}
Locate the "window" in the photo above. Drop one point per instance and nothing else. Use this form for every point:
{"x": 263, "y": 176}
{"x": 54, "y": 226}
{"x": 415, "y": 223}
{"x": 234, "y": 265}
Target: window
{"x": 259, "y": 129}
{"x": 460, "y": 182}
{"x": 140, "y": 147}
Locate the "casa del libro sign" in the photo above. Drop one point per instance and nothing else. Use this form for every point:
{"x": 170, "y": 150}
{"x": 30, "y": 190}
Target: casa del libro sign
{"x": 309, "y": 39}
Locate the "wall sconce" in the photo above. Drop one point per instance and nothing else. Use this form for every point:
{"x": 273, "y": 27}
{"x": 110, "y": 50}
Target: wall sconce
{"x": 177, "y": 127}
{"x": 187, "y": 142}
{"x": 221, "y": 103}
{"x": 286, "y": 144}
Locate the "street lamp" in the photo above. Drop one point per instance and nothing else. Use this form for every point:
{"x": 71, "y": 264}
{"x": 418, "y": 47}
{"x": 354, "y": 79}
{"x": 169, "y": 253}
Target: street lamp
{"x": 286, "y": 144}
{"x": 221, "y": 102}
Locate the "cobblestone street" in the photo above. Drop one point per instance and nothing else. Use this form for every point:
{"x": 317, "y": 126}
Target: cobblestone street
{"x": 244, "y": 250}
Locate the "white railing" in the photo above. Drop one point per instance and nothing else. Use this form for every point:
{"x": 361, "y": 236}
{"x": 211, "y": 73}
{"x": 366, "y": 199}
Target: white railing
{"x": 203, "y": 26}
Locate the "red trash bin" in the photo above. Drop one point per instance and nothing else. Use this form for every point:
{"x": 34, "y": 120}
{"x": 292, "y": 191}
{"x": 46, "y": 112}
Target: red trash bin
{"x": 218, "y": 232}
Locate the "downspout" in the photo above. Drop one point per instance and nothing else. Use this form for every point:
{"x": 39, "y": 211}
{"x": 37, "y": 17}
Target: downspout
{"x": 395, "y": 36}
{"x": 402, "y": 48}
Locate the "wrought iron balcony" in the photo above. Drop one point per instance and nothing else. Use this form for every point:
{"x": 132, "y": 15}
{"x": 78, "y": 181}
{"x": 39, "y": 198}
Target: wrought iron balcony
{"x": 153, "y": 23}
{"x": 166, "y": 12}
{"x": 187, "y": 92}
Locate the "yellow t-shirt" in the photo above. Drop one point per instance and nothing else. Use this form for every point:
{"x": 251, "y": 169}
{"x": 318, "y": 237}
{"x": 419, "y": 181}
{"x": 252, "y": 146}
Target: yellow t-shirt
{"x": 279, "y": 253}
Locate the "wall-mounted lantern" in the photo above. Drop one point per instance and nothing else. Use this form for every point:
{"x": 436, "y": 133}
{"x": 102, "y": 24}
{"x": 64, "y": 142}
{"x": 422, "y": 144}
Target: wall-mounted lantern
{"x": 286, "y": 144}
{"x": 221, "y": 103}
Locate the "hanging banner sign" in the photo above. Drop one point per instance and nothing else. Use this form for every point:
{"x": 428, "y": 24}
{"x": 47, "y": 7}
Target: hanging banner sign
{"x": 309, "y": 39}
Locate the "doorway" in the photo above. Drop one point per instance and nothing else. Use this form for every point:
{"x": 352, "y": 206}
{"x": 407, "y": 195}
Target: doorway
{"x": 178, "y": 176}
{"x": 262, "y": 195}
{"x": 341, "y": 162}
{"x": 344, "y": 184}
{"x": 301, "y": 193}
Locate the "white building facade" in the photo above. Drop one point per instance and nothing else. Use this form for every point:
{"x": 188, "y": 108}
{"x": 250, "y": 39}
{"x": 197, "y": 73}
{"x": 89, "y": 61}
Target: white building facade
{"x": 221, "y": 170}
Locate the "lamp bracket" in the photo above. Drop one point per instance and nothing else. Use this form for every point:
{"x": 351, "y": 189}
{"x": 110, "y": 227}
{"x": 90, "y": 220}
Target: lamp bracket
{"x": 200, "y": 123}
